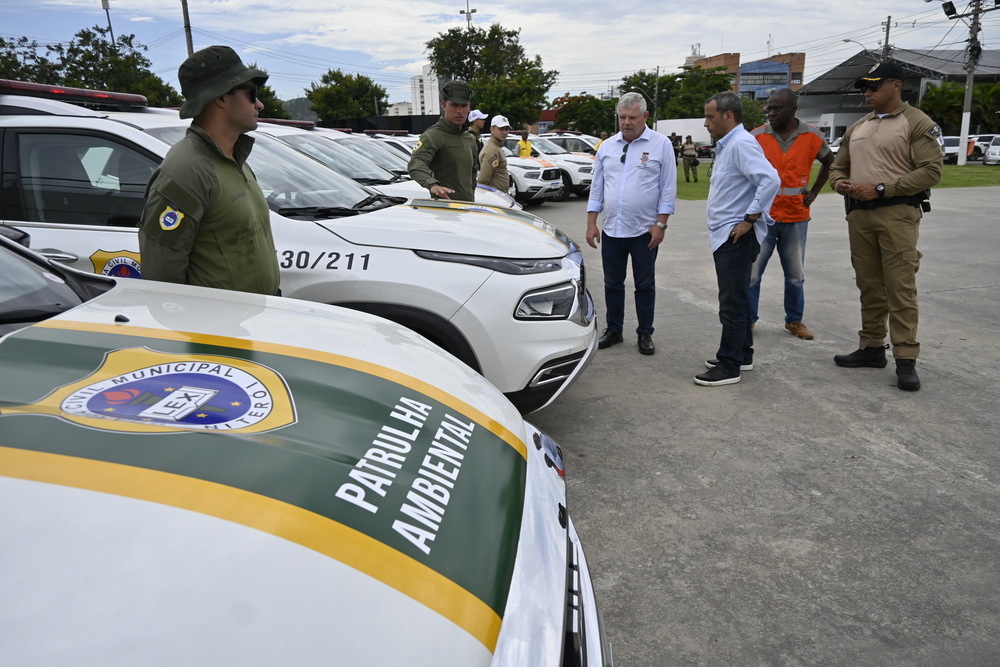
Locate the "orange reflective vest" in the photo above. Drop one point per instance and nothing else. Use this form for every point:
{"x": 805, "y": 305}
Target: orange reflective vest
{"x": 794, "y": 167}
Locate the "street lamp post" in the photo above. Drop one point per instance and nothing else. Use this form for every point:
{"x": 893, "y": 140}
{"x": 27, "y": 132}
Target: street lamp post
{"x": 468, "y": 15}
{"x": 107, "y": 10}
{"x": 874, "y": 57}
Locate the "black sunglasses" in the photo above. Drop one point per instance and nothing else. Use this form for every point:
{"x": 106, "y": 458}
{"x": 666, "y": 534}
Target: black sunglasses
{"x": 624, "y": 151}
{"x": 251, "y": 89}
{"x": 872, "y": 85}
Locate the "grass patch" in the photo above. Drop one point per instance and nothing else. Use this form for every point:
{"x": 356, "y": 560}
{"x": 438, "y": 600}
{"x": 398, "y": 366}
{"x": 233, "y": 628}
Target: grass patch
{"x": 970, "y": 175}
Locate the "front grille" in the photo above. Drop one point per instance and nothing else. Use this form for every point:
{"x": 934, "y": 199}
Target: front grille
{"x": 550, "y": 174}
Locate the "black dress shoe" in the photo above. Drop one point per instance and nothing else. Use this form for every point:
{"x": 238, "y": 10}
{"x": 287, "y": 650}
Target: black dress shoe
{"x": 608, "y": 338}
{"x": 646, "y": 344}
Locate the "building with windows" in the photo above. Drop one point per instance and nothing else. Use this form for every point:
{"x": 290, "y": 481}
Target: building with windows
{"x": 425, "y": 91}
{"x": 759, "y": 78}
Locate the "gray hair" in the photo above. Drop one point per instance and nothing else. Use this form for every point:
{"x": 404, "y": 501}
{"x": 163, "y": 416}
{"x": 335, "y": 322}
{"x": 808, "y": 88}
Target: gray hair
{"x": 629, "y": 100}
{"x": 727, "y": 100}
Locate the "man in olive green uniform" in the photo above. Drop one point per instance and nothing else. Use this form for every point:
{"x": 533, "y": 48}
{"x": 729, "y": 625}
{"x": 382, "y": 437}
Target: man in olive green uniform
{"x": 206, "y": 221}
{"x": 886, "y": 163}
{"x": 445, "y": 159}
{"x": 492, "y": 159}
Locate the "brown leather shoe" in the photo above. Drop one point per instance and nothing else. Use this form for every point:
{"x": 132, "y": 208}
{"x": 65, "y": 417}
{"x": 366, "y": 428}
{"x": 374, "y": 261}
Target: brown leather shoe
{"x": 799, "y": 329}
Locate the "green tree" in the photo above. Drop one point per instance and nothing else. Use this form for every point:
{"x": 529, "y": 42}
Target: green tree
{"x": 943, "y": 102}
{"x": 693, "y": 87}
{"x": 585, "y": 113}
{"x": 503, "y": 79}
{"x": 985, "y": 103}
{"x": 753, "y": 112}
{"x": 649, "y": 86}
{"x": 90, "y": 60}
{"x": 342, "y": 95}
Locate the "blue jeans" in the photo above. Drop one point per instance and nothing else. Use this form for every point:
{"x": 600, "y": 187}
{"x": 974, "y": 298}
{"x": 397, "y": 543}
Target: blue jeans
{"x": 790, "y": 239}
{"x": 615, "y": 253}
{"x": 732, "y": 270}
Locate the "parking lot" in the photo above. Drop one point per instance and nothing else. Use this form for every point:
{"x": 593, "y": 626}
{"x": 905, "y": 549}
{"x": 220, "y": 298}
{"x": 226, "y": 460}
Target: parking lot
{"x": 811, "y": 514}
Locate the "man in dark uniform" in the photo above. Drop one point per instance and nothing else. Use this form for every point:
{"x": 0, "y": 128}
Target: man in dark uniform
{"x": 886, "y": 163}
{"x": 445, "y": 159}
{"x": 206, "y": 221}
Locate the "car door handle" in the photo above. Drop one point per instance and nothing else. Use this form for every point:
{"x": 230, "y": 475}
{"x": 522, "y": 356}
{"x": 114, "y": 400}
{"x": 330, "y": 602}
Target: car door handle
{"x": 58, "y": 255}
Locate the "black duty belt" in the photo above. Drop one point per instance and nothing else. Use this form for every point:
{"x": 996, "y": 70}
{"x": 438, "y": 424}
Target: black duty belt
{"x": 853, "y": 204}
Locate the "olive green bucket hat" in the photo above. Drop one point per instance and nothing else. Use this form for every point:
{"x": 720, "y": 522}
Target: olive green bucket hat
{"x": 210, "y": 73}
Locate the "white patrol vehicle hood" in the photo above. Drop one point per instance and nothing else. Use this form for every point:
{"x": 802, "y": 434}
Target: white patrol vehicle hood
{"x": 193, "y": 476}
{"x": 457, "y": 227}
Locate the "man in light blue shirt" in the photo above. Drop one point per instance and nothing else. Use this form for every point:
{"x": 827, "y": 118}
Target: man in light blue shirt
{"x": 635, "y": 185}
{"x": 743, "y": 188}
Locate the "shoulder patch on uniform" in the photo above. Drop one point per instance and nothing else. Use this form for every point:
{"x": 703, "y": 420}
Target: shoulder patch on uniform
{"x": 495, "y": 162}
{"x": 170, "y": 219}
{"x": 420, "y": 142}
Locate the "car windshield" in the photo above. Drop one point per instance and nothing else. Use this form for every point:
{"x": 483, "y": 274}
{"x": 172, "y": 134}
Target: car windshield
{"x": 995, "y": 141}
{"x": 374, "y": 150}
{"x": 30, "y": 291}
{"x": 543, "y": 145}
{"x": 340, "y": 158}
{"x": 951, "y": 141}
{"x": 289, "y": 179}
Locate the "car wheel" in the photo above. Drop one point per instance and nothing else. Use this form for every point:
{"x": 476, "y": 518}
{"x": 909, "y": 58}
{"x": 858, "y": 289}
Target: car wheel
{"x": 977, "y": 153}
{"x": 567, "y": 188}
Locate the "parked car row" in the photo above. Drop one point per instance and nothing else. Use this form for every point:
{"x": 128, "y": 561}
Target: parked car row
{"x": 499, "y": 288}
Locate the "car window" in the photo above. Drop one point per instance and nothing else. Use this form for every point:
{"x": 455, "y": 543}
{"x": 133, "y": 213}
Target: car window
{"x": 81, "y": 179}
{"x": 995, "y": 141}
{"x": 951, "y": 141}
{"x": 344, "y": 160}
{"x": 547, "y": 147}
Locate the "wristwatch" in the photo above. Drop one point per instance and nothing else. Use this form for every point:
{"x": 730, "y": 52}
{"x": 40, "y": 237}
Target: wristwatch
{"x": 880, "y": 190}
{"x": 661, "y": 225}
{"x": 747, "y": 218}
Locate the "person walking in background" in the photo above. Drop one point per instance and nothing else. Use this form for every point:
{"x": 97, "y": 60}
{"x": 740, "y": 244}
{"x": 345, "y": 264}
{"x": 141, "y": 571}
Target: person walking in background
{"x": 742, "y": 190}
{"x": 635, "y": 186}
{"x": 886, "y": 164}
{"x": 477, "y": 121}
{"x": 689, "y": 154}
{"x": 446, "y": 158}
{"x": 492, "y": 159}
{"x": 791, "y": 147}
{"x": 604, "y": 135}
{"x": 206, "y": 221}
{"x": 524, "y": 147}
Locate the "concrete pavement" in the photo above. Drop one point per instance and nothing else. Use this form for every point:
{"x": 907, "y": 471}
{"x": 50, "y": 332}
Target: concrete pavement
{"x": 811, "y": 514}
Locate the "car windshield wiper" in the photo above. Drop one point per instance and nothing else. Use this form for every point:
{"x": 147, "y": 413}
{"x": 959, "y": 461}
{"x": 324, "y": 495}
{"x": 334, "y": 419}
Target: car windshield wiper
{"x": 319, "y": 211}
{"x": 33, "y": 313}
{"x": 378, "y": 196}
{"x": 372, "y": 181}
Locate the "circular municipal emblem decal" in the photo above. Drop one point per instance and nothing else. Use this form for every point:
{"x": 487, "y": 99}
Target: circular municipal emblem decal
{"x": 142, "y": 390}
{"x": 185, "y": 394}
{"x": 122, "y": 267}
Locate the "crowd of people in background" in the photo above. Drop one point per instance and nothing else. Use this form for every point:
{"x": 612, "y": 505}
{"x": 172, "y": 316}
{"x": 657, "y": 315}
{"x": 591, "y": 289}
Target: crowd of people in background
{"x": 759, "y": 201}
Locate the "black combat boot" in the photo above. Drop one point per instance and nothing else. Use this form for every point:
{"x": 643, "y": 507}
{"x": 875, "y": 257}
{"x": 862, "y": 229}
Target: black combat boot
{"x": 906, "y": 374}
{"x": 865, "y": 357}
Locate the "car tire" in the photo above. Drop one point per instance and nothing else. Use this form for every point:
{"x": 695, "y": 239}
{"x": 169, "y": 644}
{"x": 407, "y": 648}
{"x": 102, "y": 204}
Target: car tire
{"x": 567, "y": 188}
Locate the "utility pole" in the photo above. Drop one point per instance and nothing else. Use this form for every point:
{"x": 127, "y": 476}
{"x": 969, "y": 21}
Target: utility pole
{"x": 656, "y": 94}
{"x": 187, "y": 28}
{"x": 886, "y": 49}
{"x": 975, "y": 51}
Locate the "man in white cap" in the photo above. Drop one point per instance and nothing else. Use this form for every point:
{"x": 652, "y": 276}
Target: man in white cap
{"x": 206, "y": 221}
{"x": 492, "y": 160}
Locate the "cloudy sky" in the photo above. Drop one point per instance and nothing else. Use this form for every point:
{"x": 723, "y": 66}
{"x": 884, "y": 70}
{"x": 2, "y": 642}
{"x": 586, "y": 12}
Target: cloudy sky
{"x": 586, "y": 41}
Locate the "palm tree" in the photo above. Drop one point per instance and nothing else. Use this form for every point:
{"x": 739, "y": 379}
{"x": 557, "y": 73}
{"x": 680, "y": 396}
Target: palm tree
{"x": 944, "y": 103}
{"x": 985, "y": 103}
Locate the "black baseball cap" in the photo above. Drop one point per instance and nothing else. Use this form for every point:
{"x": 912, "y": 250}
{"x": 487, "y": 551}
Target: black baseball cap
{"x": 880, "y": 71}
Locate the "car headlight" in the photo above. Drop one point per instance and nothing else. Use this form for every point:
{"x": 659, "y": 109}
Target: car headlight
{"x": 501, "y": 264}
{"x": 586, "y": 170}
{"x": 548, "y": 303}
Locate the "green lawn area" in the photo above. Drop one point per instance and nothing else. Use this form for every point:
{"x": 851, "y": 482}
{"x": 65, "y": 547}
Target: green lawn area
{"x": 971, "y": 175}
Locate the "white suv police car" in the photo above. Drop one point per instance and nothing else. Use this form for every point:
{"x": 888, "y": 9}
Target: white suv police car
{"x": 577, "y": 168}
{"x": 190, "y": 476}
{"x": 500, "y": 289}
